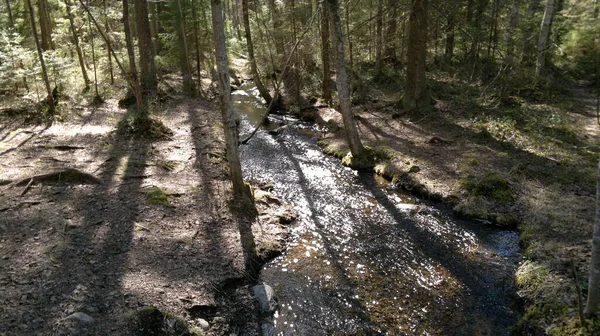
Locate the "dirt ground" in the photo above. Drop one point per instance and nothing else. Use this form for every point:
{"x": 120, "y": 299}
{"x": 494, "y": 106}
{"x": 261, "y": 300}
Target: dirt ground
{"x": 530, "y": 166}
{"x": 150, "y": 226}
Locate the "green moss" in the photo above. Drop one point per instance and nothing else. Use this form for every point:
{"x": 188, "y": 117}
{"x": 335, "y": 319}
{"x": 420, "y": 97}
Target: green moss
{"x": 269, "y": 249}
{"x": 285, "y": 217}
{"x": 331, "y": 149}
{"x": 369, "y": 159}
{"x": 156, "y": 196}
{"x": 492, "y": 186}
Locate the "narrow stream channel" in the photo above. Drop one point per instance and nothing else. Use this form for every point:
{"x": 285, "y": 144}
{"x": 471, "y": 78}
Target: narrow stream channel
{"x": 366, "y": 259}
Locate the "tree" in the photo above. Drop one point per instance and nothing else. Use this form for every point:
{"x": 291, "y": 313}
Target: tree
{"x": 45, "y": 25}
{"x": 325, "y": 49}
{"x": 253, "y": 68}
{"x": 148, "y": 79}
{"x": 543, "y": 44}
{"x": 416, "y": 89}
{"x": 41, "y": 56}
{"x": 184, "y": 63}
{"x": 379, "y": 39}
{"x": 593, "y": 300}
{"x": 356, "y": 147}
{"x": 229, "y": 125}
{"x": 75, "y": 38}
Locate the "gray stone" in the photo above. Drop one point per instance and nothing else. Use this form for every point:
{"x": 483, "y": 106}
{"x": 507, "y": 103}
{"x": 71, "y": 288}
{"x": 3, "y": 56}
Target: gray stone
{"x": 203, "y": 324}
{"x": 265, "y": 295}
{"x": 80, "y": 317}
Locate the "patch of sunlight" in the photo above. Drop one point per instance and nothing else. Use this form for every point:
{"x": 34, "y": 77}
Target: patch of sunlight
{"x": 121, "y": 168}
{"x": 68, "y": 130}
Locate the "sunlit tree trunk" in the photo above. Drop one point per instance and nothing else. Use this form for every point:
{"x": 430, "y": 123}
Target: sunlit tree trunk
{"x": 593, "y": 300}
{"x": 45, "y": 25}
{"x": 86, "y": 79}
{"x": 356, "y": 147}
{"x": 229, "y": 125}
{"x": 41, "y": 55}
{"x": 543, "y": 44}
{"x": 416, "y": 88}
{"x": 325, "y": 50}
{"x": 148, "y": 79}
{"x": 253, "y": 68}
{"x": 140, "y": 96}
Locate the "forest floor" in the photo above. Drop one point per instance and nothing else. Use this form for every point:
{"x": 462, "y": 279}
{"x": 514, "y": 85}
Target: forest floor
{"x": 528, "y": 163}
{"x": 127, "y": 223}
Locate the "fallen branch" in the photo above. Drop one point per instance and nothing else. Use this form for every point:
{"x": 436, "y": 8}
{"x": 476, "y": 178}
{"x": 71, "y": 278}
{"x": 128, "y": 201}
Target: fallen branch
{"x": 67, "y": 175}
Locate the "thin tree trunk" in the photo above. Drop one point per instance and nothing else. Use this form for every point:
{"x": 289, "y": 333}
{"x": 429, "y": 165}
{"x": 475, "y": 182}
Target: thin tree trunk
{"x": 197, "y": 46}
{"x": 188, "y": 83}
{"x": 450, "y": 28}
{"x": 528, "y": 38}
{"x": 253, "y": 68}
{"x": 93, "y": 57}
{"x": 390, "y": 32}
{"x": 10, "y": 16}
{"x": 229, "y": 125}
{"x": 543, "y": 43}
{"x": 509, "y": 40}
{"x": 45, "y": 25}
{"x": 140, "y": 96}
{"x": 356, "y": 147}
{"x": 12, "y": 26}
{"x": 349, "y": 36}
{"x": 593, "y": 300}
{"x": 110, "y": 65}
{"x": 41, "y": 56}
{"x": 148, "y": 79}
{"x": 379, "y": 39}
{"x": 86, "y": 79}
{"x": 325, "y": 49}
{"x": 416, "y": 89}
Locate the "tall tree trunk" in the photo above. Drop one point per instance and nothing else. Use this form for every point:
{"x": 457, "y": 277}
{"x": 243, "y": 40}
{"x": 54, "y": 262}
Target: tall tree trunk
{"x": 148, "y": 79}
{"x": 197, "y": 46}
{"x": 41, "y": 56}
{"x": 253, "y": 68}
{"x": 509, "y": 41}
{"x": 356, "y": 147}
{"x": 86, "y": 79}
{"x": 229, "y": 125}
{"x": 477, "y": 31}
{"x": 155, "y": 25}
{"x": 416, "y": 89}
{"x": 379, "y": 39}
{"x": 140, "y": 97}
{"x": 543, "y": 41}
{"x": 110, "y": 65}
{"x": 91, "y": 34}
{"x": 528, "y": 38}
{"x": 593, "y": 300}
{"x": 184, "y": 62}
{"x": 11, "y": 21}
{"x": 450, "y": 28}
{"x": 45, "y": 25}
{"x": 349, "y": 36}
{"x": 325, "y": 49}
{"x": 390, "y": 32}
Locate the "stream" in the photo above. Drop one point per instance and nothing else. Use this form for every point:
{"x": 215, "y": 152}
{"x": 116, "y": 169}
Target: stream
{"x": 368, "y": 259}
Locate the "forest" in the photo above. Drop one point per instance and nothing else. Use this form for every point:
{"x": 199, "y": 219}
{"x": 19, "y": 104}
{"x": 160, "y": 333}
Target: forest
{"x": 299, "y": 167}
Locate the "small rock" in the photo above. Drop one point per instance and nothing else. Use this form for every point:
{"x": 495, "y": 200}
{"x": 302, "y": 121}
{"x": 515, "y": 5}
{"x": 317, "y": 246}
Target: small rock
{"x": 203, "y": 324}
{"x": 265, "y": 295}
{"x": 80, "y": 317}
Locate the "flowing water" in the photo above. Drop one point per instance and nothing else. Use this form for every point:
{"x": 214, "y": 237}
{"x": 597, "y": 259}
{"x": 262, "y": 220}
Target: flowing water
{"x": 366, "y": 259}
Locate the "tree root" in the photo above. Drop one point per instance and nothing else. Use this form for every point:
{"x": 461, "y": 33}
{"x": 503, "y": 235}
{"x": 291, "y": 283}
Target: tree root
{"x": 65, "y": 175}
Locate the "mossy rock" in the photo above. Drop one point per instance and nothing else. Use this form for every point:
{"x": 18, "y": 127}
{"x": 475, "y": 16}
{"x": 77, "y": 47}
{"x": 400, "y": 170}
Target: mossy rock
{"x": 368, "y": 159}
{"x": 492, "y": 186}
{"x": 150, "y": 321}
{"x": 285, "y": 217}
{"x": 269, "y": 250}
{"x": 157, "y": 196}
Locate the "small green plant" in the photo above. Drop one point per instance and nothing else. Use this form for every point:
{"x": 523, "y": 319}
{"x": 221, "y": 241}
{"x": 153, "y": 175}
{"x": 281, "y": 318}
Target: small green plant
{"x": 157, "y": 196}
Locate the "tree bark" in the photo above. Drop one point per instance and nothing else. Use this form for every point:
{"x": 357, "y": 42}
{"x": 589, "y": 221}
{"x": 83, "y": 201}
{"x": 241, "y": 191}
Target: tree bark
{"x": 509, "y": 40}
{"x": 593, "y": 300}
{"x": 389, "y": 39}
{"x": 45, "y": 25}
{"x": 528, "y": 38}
{"x": 325, "y": 57}
{"x": 450, "y": 28}
{"x": 229, "y": 125}
{"x": 86, "y": 79}
{"x": 379, "y": 39}
{"x": 184, "y": 63}
{"x": 148, "y": 79}
{"x": 543, "y": 41}
{"x": 91, "y": 35}
{"x": 10, "y": 16}
{"x": 416, "y": 89}
{"x": 253, "y": 68}
{"x": 41, "y": 56}
{"x": 108, "y": 51}
{"x": 140, "y": 96}
{"x": 356, "y": 147}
